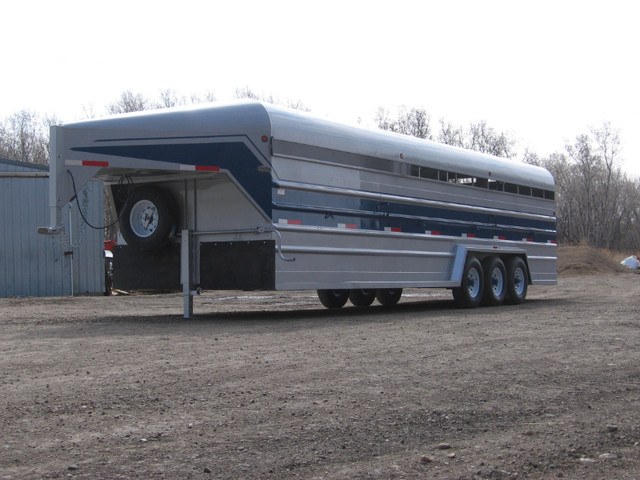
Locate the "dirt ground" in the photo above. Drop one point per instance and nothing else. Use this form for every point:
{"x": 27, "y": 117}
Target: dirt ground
{"x": 271, "y": 385}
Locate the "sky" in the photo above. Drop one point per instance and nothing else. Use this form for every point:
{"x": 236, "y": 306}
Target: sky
{"x": 543, "y": 71}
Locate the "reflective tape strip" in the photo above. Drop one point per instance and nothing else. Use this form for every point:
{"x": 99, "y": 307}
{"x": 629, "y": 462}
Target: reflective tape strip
{"x": 347, "y": 225}
{"x": 86, "y": 163}
{"x": 392, "y": 229}
{"x": 286, "y": 221}
{"x": 199, "y": 168}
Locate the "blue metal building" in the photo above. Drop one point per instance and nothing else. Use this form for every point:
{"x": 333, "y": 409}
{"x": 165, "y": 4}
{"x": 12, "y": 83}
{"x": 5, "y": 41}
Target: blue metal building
{"x": 40, "y": 265}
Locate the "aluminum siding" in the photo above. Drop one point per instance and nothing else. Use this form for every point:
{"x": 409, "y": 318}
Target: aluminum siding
{"x": 33, "y": 264}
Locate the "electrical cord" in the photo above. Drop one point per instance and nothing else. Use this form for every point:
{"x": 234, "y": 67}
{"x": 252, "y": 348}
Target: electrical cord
{"x": 122, "y": 180}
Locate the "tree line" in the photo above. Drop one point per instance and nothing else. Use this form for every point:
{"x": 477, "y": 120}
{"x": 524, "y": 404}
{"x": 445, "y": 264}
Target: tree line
{"x": 597, "y": 204}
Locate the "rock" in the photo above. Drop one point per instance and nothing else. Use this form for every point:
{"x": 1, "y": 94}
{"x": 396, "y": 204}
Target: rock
{"x": 424, "y": 459}
{"x": 444, "y": 446}
{"x": 72, "y": 467}
{"x": 587, "y": 460}
{"x": 452, "y": 455}
{"x": 207, "y": 470}
{"x": 607, "y": 456}
{"x": 612, "y": 428}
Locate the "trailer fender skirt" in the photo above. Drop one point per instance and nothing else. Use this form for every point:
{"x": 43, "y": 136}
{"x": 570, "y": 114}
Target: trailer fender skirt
{"x": 460, "y": 256}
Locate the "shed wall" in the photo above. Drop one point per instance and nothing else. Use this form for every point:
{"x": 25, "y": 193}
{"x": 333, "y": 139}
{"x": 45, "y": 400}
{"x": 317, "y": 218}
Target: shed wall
{"x": 38, "y": 265}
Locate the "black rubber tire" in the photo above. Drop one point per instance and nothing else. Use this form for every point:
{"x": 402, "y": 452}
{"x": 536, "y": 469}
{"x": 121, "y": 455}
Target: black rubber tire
{"x": 469, "y": 293}
{"x": 333, "y": 298}
{"x": 159, "y": 211}
{"x": 362, "y": 298}
{"x": 517, "y": 281}
{"x": 388, "y": 296}
{"x": 495, "y": 281}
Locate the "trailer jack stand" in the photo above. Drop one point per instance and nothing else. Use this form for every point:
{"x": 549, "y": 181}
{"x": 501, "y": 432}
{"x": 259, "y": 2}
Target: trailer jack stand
{"x": 187, "y": 273}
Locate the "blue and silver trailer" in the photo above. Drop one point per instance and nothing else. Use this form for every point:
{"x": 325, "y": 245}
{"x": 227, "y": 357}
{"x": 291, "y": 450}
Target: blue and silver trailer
{"x": 254, "y": 196}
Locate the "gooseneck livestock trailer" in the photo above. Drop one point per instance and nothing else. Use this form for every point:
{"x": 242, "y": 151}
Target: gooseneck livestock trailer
{"x": 253, "y": 196}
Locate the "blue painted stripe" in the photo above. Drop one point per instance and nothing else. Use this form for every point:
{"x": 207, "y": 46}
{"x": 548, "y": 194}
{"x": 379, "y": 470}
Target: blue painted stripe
{"x": 331, "y": 210}
{"x": 233, "y": 156}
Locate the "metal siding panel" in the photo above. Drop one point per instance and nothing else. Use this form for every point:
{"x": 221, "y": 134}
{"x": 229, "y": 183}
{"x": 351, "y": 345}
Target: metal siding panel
{"x": 45, "y": 248}
{"x": 33, "y": 264}
{"x": 15, "y": 245}
{"x": 88, "y": 243}
{"x": 34, "y": 205}
{"x": 4, "y": 240}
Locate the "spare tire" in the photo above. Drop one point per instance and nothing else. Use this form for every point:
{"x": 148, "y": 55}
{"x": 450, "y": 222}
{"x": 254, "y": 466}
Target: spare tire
{"x": 149, "y": 216}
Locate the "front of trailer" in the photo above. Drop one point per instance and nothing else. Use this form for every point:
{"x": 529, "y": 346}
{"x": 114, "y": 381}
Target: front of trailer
{"x": 192, "y": 192}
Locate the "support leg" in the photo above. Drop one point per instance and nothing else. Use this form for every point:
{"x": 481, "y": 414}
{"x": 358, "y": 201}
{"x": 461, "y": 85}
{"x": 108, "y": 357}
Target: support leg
{"x": 185, "y": 273}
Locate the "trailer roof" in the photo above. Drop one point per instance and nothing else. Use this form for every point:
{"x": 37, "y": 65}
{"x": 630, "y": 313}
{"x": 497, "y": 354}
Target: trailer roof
{"x": 256, "y": 119}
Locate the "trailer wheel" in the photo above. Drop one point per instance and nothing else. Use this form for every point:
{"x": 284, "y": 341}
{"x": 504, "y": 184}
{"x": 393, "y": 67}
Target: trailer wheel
{"x": 149, "y": 215}
{"x": 388, "y": 296}
{"x": 516, "y": 281}
{"x": 333, "y": 298}
{"x": 469, "y": 293}
{"x": 495, "y": 281}
{"x": 362, "y": 298}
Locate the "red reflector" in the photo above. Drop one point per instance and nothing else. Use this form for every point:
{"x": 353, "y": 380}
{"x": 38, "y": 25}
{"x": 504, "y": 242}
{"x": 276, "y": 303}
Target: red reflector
{"x": 294, "y": 222}
{"x": 204, "y": 168}
{"x": 94, "y": 163}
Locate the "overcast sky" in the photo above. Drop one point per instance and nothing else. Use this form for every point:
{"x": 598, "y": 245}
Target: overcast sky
{"x": 542, "y": 70}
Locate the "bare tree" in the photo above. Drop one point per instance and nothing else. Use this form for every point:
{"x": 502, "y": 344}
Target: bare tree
{"x": 24, "y": 136}
{"x": 129, "y": 102}
{"x": 417, "y": 122}
{"x": 450, "y": 134}
{"x": 383, "y": 120}
{"x": 170, "y": 98}
{"x": 413, "y": 121}
{"x": 596, "y": 203}
{"x": 485, "y": 139}
{"x": 246, "y": 92}
{"x": 205, "y": 97}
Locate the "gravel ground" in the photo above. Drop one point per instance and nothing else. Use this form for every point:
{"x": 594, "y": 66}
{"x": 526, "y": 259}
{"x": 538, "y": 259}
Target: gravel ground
{"x": 271, "y": 385}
